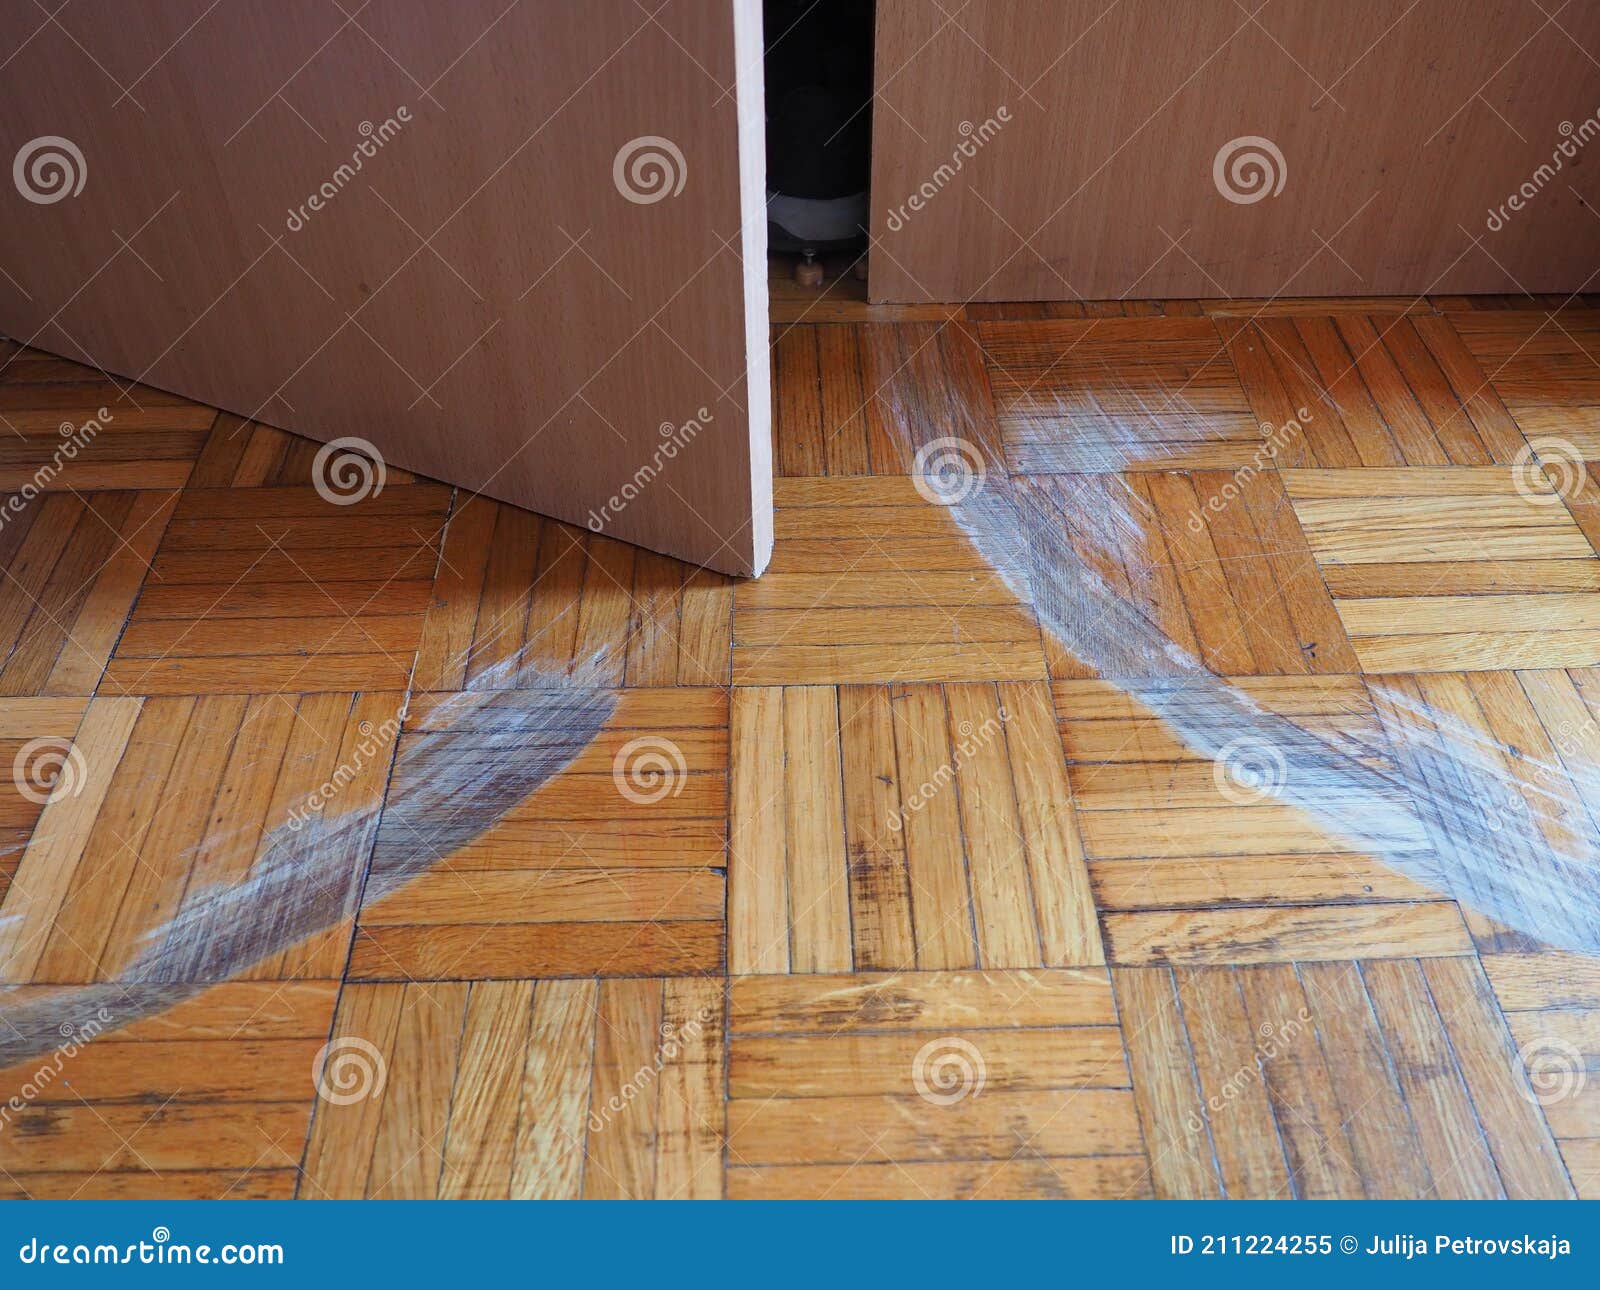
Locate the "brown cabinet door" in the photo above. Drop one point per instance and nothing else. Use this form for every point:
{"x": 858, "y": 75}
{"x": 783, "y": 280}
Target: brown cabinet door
{"x": 516, "y": 246}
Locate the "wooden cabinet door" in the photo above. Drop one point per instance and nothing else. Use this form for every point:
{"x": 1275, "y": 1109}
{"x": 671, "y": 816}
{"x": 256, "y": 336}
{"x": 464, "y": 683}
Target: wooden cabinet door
{"x": 516, "y": 246}
{"x": 1146, "y": 149}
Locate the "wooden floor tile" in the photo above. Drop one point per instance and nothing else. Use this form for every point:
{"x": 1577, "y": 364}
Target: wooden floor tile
{"x": 1334, "y": 1080}
{"x": 1551, "y": 1003}
{"x": 1313, "y": 306}
{"x": 1190, "y": 865}
{"x": 611, "y": 868}
{"x": 929, "y": 385}
{"x": 1383, "y": 391}
{"x": 68, "y": 427}
{"x": 1215, "y": 559}
{"x": 862, "y": 400}
{"x": 1409, "y": 554}
{"x": 36, "y": 737}
{"x": 176, "y": 806}
{"x": 1118, "y": 394}
{"x": 212, "y": 1099}
{"x": 871, "y": 580}
{"x": 1511, "y": 757}
{"x": 902, "y": 826}
{"x": 276, "y": 590}
{"x": 73, "y": 563}
{"x": 524, "y": 1089}
{"x": 520, "y": 597}
{"x": 961, "y": 1084}
{"x": 1545, "y": 365}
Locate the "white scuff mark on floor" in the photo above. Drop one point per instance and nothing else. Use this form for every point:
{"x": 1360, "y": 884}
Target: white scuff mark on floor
{"x": 314, "y": 871}
{"x": 1444, "y": 816}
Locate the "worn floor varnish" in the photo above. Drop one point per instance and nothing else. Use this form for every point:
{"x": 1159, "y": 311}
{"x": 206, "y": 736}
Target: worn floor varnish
{"x": 420, "y": 846}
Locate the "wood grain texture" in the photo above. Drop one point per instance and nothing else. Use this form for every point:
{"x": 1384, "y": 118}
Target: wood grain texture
{"x": 177, "y": 795}
{"x": 1330, "y": 1079}
{"x": 1010, "y": 161}
{"x": 518, "y": 596}
{"x": 1184, "y": 871}
{"x": 983, "y": 1083}
{"x": 1168, "y": 989}
{"x": 1377, "y": 524}
{"x": 209, "y": 1101}
{"x": 849, "y": 549}
{"x": 899, "y": 827}
{"x": 275, "y": 591}
{"x": 526, "y": 1089}
{"x": 293, "y": 225}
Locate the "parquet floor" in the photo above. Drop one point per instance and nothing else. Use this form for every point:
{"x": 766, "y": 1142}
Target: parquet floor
{"x": 856, "y": 880}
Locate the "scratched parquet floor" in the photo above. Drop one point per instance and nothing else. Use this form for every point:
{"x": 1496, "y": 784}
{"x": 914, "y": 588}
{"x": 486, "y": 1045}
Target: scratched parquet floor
{"x": 865, "y": 885}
